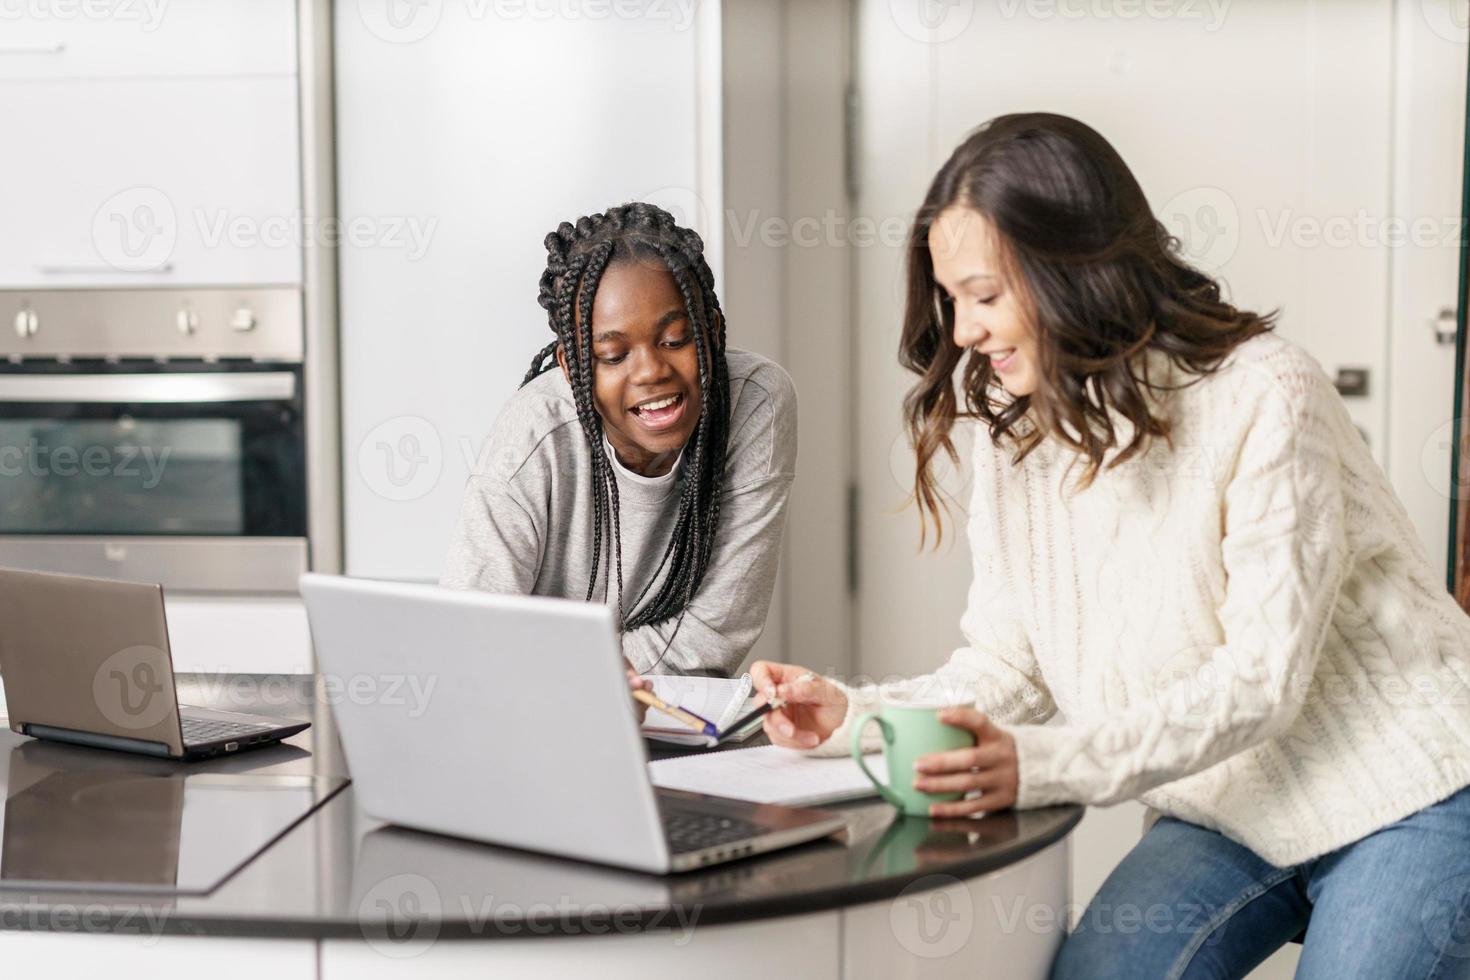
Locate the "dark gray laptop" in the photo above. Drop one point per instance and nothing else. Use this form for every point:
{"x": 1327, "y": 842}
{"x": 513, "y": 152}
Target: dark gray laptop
{"x": 87, "y": 661}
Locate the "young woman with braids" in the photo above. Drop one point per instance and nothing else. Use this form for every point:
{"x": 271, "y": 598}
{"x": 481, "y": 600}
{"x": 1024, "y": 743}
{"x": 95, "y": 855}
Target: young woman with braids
{"x": 1183, "y": 547}
{"x": 641, "y": 463}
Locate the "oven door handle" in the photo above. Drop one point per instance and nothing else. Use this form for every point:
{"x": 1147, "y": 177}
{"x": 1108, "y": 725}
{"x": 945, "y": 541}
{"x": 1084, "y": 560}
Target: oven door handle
{"x": 244, "y": 386}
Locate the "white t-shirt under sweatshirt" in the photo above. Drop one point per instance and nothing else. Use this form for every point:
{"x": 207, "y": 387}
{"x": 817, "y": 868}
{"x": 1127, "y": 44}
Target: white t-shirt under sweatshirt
{"x": 1242, "y": 631}
{"x": 525, "y": 525}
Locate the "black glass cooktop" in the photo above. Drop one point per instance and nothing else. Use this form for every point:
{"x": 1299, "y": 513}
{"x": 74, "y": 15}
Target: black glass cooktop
{"x": 106, "y": 821}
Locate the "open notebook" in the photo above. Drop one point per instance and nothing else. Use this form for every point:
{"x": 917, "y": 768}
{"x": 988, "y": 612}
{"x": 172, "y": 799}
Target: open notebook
{"x": 718, "y": 699}
{"x": 767, "y": 774}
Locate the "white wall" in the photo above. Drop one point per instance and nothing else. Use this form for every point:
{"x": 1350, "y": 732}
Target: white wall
{"x": 466, "y": 132}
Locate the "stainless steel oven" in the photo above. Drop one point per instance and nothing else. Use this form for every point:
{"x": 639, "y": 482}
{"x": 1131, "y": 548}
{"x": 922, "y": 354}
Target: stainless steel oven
{"x": 167, "y": 443}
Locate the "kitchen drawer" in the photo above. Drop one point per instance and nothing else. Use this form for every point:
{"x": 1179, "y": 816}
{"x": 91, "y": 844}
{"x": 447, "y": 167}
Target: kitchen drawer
{"x": 175, "y": 182}
{"x": 144, "y": 38}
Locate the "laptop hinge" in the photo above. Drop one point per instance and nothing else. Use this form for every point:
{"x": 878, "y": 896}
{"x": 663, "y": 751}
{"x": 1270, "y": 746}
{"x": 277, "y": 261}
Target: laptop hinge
{"x": 94, "y": 740}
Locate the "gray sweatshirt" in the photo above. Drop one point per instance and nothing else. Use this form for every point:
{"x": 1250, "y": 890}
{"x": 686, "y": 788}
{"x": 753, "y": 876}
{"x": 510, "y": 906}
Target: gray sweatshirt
{"x": 525, "y": 526}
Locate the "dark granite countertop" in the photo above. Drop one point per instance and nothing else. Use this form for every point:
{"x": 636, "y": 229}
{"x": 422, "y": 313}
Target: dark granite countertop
{"x": 338, "y": 873}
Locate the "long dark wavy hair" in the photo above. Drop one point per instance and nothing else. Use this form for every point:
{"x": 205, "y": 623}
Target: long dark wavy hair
{"x": 576, "y": 257}
{"x": 1101, "y": 279}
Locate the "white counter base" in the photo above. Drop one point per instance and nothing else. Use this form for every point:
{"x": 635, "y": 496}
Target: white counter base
{"x": 1006, "y": 925}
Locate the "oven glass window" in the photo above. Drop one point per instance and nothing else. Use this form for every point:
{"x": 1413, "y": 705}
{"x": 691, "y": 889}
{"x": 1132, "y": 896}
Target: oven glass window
{"x": 122, "y": 475}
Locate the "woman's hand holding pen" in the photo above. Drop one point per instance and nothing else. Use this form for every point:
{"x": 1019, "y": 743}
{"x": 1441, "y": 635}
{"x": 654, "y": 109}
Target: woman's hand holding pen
{"x": 814, "y": 707}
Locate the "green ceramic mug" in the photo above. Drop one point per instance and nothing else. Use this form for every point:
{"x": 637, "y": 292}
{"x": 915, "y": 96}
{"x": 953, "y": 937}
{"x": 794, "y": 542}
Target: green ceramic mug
{"x": 910, "y": 729}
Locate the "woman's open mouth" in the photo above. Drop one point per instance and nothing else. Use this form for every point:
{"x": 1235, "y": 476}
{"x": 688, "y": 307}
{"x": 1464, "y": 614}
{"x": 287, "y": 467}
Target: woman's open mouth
{"x": 659, "y": 413}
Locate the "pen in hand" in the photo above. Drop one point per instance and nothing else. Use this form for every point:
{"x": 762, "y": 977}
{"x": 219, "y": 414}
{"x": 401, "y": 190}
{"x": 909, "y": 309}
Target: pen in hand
{"x": 750, "y": 716}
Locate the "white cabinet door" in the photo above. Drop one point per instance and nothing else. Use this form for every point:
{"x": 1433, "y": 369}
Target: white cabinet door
{"x": 141, "y": 953}
{"x": 1275, "y": 178}
{"x": 1279, "y": 188}
{"x": 147, "y": 38}
{"x": 1429, "y": 142}
{"x": 150, "y": 182}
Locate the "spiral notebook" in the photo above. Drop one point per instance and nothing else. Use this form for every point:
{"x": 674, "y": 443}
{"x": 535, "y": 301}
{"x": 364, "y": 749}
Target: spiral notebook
{"x": 718, "y": 699}
{"x": 767, "y": 774}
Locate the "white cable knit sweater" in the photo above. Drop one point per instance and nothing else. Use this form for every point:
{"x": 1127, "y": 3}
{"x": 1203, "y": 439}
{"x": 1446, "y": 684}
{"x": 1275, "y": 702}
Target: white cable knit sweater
{"x": 1243, "y": 632}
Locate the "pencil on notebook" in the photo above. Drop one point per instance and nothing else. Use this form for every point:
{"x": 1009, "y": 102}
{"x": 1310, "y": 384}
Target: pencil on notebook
{"x": 686, "y": 717}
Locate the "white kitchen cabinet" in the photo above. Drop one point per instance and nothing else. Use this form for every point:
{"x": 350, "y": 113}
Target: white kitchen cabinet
{"x": 150, "y": 182}
{"x": 143, "y": 955}
{"x": 147, "y": 38}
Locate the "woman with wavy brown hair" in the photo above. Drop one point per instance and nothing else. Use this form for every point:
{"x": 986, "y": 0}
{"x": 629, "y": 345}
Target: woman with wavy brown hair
{"x": 1183, "y": 547}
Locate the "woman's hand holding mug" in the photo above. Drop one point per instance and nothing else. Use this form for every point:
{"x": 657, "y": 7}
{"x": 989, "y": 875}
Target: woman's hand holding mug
{"x": 814, "y": 706}
{"x": 989, "y": 766}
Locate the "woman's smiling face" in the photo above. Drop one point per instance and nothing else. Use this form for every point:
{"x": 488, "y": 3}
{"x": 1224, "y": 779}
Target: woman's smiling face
{"x": 645, "y": 371}
{"x": 989, "y": 312}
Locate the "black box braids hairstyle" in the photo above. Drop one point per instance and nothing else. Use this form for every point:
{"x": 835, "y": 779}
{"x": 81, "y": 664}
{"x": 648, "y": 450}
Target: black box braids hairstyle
{"x": 576, "y": 257}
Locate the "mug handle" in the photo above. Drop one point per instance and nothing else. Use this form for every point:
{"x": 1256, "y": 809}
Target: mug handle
{"x": 858, "y": 725}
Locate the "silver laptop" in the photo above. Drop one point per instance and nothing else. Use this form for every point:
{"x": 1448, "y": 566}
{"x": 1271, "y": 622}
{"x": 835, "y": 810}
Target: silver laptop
{"x": 507, "y": 719}
{"x": 87, "y": 661}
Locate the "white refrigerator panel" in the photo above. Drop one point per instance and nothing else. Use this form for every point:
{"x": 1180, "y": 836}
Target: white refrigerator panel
{"x": 466, "y": 132}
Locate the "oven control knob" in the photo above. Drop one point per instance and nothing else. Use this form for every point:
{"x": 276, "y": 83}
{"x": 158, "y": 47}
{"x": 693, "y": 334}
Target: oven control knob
{"x": 243, "y": 320}
{"x": 26, "y": 324}
{"x": 188, "y": 322}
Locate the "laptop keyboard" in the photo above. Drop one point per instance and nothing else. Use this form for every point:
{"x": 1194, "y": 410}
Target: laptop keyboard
{"x": 693, "y": 831}
{"x": 200, "y": 730}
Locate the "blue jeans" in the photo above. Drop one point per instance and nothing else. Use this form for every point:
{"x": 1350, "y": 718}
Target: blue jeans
{"x": 1188, "y": 903}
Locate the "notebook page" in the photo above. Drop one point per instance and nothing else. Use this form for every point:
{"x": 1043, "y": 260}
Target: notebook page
{"x": 767, "y": 774}
{"x": 717, "y": 699}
